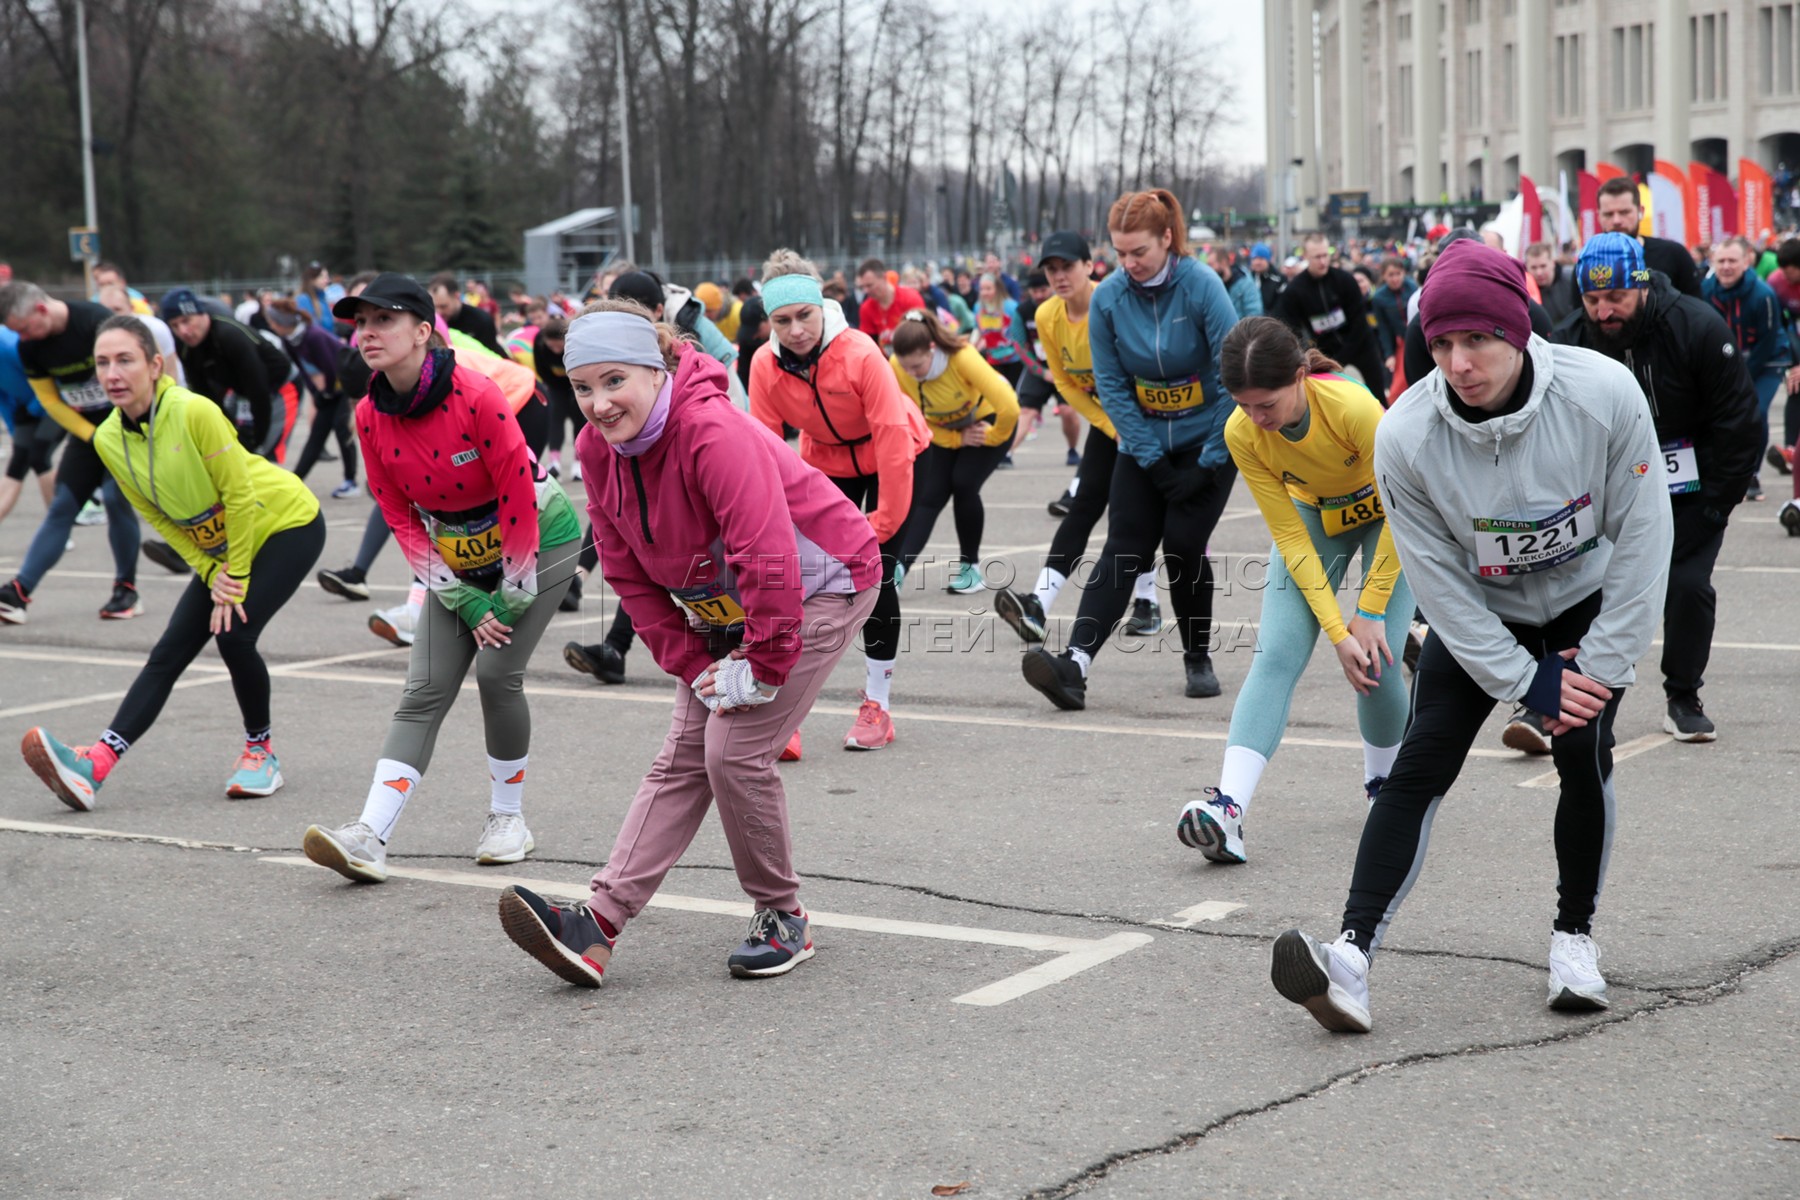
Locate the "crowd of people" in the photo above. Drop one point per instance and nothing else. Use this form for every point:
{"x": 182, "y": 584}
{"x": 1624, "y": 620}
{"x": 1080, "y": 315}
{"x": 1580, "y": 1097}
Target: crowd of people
{"x": 1535, "y": 456}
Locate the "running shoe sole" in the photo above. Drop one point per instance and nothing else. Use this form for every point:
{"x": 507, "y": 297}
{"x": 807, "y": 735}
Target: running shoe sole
{"x": 1778, "y": 460}
{"x": 1522, "y": 737}
{"x": 497, "y": 860}
{"x": 1299, "y": 976}
{"x": 339, "y": 587}
{"x": 1789, "y": 517}
{"x": 121, "y": 614}
{"x": 166, "y": 557}
{"x": 1670, "y": 728}
{"x": 324, "y": 849}
{"x": 740, "y": 971}
{"x": 577, "y": 657}
{"x": 1008, "y": 608}
{"x": 238, "y": 791}
{"x": 13, "y": 616}
{"x": 72, "y": 790}
{"x": 533, "y": 937}
{"x": 1570, "y": 1000}
{"x": 382, "y": 628}
{"x": 1040, "y": 673}
{"x": 1198, "y": 829}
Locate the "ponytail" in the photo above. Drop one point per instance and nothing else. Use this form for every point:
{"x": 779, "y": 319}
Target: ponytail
{"x": 920, "y": 330}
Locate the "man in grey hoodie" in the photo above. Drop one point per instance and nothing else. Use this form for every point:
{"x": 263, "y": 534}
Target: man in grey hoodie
{"x": 1523, "y": 487}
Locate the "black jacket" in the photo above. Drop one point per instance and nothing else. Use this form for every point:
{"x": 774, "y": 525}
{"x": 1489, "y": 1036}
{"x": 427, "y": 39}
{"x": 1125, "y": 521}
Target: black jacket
{"x": 1331, "y": 311}
{"x": 1271, "y": 283}
{"x": 234, "y": 358}
{"x": 1686, "y": 361}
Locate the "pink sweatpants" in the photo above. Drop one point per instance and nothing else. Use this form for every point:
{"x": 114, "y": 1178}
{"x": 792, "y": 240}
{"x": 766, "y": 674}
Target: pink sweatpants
{"x": 731, "y": 759}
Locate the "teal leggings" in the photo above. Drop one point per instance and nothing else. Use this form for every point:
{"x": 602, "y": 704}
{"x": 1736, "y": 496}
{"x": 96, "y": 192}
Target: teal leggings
{"x": 1289, "y": 632}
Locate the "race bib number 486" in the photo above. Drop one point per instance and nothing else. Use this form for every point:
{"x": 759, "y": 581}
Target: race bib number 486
{"x": 1513, "y": 547}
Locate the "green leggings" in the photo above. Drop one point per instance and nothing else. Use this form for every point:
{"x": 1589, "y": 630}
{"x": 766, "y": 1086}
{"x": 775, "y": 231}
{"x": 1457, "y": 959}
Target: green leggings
{"x": 442, "y": 650}
{"x": 1285, "y": 643}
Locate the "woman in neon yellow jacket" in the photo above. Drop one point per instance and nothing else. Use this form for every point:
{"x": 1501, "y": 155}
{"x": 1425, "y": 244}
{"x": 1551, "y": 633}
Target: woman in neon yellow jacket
{"x": 971, "y": 411}
{"x": 250, "y": 530}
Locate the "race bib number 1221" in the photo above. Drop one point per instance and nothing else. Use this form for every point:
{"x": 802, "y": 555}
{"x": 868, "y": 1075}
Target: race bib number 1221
{"x": 1512, "y": 547}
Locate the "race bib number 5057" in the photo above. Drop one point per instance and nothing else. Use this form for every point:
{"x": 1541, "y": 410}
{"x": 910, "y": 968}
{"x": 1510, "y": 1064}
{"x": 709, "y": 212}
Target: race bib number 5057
{"x": 1512, "y": 547}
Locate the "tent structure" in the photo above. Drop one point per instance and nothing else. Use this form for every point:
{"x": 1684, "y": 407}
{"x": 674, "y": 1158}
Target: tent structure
{"x": 561, "y": 255}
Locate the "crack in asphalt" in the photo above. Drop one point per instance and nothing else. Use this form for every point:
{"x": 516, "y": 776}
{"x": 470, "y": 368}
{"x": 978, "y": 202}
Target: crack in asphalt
{"x": 1666, "y": 1001}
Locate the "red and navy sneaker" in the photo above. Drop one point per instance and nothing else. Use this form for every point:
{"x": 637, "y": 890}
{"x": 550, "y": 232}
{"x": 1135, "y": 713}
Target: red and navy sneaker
{"x": 568, "y": 940}
{"x": 778, "y": 943}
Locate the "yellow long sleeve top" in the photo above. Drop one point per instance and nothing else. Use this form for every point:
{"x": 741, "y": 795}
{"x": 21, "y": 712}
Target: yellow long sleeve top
{"x": 1330, "y": 470}
{"x": 1071, "y": 363}
{"x": 968, "y": 391}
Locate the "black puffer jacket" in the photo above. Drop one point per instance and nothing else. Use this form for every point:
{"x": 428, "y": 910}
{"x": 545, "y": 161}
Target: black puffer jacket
{"x": 1689, "y": 367}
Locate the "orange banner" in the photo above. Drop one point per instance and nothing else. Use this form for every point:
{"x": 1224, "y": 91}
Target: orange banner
{"x": 1756, "y": 202}
{"x": 1676, "y": 227}
{"x": 1604, "y": 171}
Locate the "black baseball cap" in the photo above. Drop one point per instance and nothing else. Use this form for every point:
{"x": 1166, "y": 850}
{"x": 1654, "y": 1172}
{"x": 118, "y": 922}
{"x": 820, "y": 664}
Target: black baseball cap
{"x": 1066, "y": 245}
{"x": 641, "y": 286}
{"x": 390, "y": 290}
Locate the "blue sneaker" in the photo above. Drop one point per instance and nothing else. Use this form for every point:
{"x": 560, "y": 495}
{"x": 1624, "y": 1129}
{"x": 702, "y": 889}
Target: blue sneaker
{"x": 65, "y": 770}
{"x": 778, "y": 943}
{"x": 568, "y": 939}
{"x": 1214, "y": 826}
{"x": 258, "y": 774}
{"x": 1372, "y": 788}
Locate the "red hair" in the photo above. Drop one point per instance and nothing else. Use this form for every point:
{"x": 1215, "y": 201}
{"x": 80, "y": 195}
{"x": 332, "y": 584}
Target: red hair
{"x": 1154, "y": 212}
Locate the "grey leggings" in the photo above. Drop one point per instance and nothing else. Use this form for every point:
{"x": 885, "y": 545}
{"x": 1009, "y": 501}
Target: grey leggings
{"x": 442, "y": 650}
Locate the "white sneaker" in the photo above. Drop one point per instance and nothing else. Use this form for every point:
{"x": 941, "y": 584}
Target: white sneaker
{"x": 1329, "y": 979}
{"x": 352, "y": 850}
{"x": 574, "y": 470}
{"x": 504, "y": 839}
{"x": 396, "y": 624}
{"x": 1575, "y": 981}
{"x": 1214, "y": 826}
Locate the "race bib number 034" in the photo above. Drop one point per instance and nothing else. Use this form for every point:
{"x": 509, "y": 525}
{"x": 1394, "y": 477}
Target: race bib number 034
{"x": 1682, "y": 466}
{"x": 1341, "y": 514}
{"x": 1509, "y": 547}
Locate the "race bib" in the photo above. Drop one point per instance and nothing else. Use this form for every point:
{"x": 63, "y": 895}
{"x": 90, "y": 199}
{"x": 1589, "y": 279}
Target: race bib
{"x": 1037, "y": 348}
{"x": 208, "y": 531}
{"x": 1341, "y": 514}
{"x": 1682, "y": 466}
{"x": 712, "y": 604}
{"x": 1508, "y": 547}
{"x": 1082, "y": 379}
{"x": 1170, "y": 397}
{"x": 1327, "y": 322}
{"x": 469, "y": 547}
{"x": 84, "y": 398}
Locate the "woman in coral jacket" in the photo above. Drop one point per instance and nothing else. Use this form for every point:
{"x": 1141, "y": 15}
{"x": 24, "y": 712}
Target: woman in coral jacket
{"x": 747, "y": 574}
{"x": 834, "y": 385}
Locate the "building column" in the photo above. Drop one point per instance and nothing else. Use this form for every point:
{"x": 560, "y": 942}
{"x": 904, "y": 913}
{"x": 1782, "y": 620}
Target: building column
{"x": 1428, "y": 106}
{"x": 1277, "y": 105}
{"x": 1352, "y": 80}
{"x": 1674, "y": 83}
{"x": 1532, "y": 89}
{"x": 1306, "y": 146}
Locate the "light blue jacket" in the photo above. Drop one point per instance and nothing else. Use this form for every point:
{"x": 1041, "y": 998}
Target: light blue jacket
{"x": 16, "y": 397}
{"x": 1164, "y": 336}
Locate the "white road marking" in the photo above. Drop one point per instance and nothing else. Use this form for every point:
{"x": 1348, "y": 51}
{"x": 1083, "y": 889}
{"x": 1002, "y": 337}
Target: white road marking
{"x": 1074, "y": 955}
{"x": 1206, "y": 910}
{"x": 1631, "y": 749}
{"x": 117, "y": 835}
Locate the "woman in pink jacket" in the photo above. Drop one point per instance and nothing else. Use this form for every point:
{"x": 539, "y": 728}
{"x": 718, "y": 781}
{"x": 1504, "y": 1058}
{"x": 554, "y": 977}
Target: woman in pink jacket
{"x": 747, "y": 573}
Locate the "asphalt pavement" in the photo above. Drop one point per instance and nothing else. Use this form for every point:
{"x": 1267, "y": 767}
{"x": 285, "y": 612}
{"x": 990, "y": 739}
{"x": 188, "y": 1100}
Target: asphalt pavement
{"x": 1025, "y": 986}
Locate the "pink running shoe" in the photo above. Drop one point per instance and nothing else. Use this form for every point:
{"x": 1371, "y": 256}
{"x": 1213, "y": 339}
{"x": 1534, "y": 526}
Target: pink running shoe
{"x": 791, "y": 751}
{"x": 874, "y": 728}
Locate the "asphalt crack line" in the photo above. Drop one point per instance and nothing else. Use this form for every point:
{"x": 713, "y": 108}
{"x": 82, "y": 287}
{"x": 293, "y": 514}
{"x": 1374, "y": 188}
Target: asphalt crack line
{"x": 1666, "y": 1001}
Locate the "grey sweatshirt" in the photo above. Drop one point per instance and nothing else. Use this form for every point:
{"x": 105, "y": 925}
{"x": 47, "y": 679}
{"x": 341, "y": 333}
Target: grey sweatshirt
{"x": 1584, "y": 432}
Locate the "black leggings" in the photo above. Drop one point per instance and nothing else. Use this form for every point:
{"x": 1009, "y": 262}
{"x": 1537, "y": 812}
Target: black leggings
{"x": 1099, "y": 455}
{"x": 331, "y": 414}
{"x": 35, "y": 440}
{"x": 534, "y": 423}
{"x": 284, "y": 561}
{"x": 1138, "y": 518}
{"x": 941, "y": 475}
{"x": 1448, "y": 711}
{"x": 1691, "y": 606}
{"x": 881, "y": 632}
{"x": 620, "y": 634}
{"x": 561, "y": 413}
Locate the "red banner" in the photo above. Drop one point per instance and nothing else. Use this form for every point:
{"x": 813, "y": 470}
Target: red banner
{"x": 1532, "y": 229}
{"x": 1588, "y": 203}
{"x": 1715, "y": 204}
{"x": 1756, "y": 202}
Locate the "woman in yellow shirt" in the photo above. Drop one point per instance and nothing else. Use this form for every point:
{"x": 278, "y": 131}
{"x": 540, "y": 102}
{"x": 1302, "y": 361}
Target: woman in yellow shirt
{"x": 1303, "y": 437}
{"x": 971, "y": 411}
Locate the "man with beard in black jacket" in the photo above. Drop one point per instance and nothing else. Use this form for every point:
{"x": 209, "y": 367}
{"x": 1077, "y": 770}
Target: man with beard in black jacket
{"x": 1707, "y": 422}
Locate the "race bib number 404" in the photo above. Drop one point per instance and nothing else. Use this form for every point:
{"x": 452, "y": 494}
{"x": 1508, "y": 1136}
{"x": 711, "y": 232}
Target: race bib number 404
{"x": 470, "y": 547}
{"x": 1682, "y": 466}
{"x": 1513, "y": 547}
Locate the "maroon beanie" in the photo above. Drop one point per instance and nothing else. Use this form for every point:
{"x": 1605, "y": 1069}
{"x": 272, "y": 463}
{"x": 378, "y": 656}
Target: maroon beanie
{"x": 1475, "y": 288}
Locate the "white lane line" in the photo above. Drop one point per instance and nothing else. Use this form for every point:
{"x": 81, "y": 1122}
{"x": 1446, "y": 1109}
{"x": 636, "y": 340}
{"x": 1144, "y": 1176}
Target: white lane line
{"x": 1631, "y": 749}
{"x": 1074, "y": 955}
{"x": 117, "y": 835}
{"x": 91, "y": 660}
{"x": 1788, "y": 646}
{"x": 1206, "y": 910}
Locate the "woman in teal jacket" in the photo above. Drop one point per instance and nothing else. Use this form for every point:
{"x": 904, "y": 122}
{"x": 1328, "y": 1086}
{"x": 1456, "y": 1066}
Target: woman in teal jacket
{"x": 1155, "y": 328}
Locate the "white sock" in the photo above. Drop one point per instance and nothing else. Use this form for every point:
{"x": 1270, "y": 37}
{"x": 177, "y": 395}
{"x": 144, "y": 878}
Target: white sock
{"x": 1241, "y": 773}
{"x": 394, "y": 784}
{"x": 1145, "y": 589}
{"x": 1048, "y": 584}
{"x": 1082, "y": 659}
{"x": 508, "y": 775}
{"x": 1378, "y": 761}
{"x": 878, "y": 679}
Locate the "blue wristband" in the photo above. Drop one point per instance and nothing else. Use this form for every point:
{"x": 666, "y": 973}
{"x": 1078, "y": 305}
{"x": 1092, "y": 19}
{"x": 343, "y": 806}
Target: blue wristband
{"x": 1366, "y": 615}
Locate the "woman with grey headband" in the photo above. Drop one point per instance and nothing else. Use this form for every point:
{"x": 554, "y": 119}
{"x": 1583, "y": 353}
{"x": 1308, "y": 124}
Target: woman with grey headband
{"x": 747, "y": 574}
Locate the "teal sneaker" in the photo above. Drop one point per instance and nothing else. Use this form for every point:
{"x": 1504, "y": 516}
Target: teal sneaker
{"x": 258, "y": 774}
{"x": 65, "y": 770}
{"x": 899, "y": 575}
{"x": 966, "y": 580}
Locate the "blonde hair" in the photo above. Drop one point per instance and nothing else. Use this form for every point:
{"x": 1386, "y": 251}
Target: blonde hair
{"x": 669, "y": 339}
{"x": 788, "y": 262}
